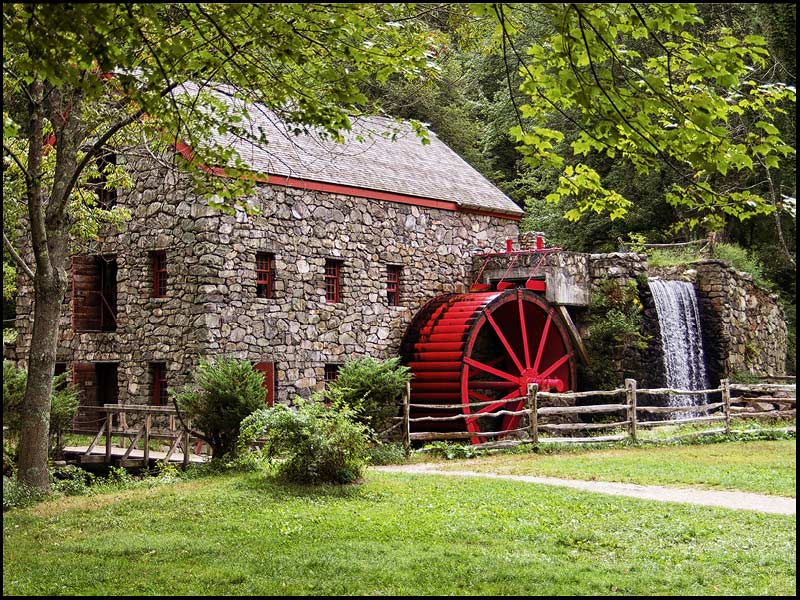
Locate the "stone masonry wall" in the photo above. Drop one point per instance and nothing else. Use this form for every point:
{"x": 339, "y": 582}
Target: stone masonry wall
{"x": 211, "y": 308}
{"x": 170, "y": 329}
{"x": 298, "y": 329}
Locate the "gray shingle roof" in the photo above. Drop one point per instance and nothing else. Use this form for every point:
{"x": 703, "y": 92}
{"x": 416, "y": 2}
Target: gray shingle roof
{"x": 368, "y": 159}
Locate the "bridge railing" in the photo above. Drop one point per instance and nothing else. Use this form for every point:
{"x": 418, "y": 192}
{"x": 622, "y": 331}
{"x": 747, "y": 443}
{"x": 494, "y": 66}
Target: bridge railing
{"x": 133, "y": 423}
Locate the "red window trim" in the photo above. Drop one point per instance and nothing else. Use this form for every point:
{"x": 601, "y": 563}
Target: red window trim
{"x": 265, "y": 275}
{"x": 331, "y": 372}
{"x": 333, "y": 280}
{"x": 159, "y": 267}
{"x": 394, "y": 278}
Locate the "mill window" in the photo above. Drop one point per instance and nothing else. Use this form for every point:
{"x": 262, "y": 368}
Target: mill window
{"x": 333, "y": 284}
{"x": 331, "y": 373}
{"x": 158, "y": 261}
{"x": 394, "y": 275}
{"x": 94, "y": 293}
{"x": 265, "y": 275}
{"x": 158, "y": 371}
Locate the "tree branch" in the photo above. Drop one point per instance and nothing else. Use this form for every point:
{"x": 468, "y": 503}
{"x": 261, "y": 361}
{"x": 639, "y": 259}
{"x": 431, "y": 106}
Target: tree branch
{"x": 16, "y": 257}
{"x": 101, "y": 141}
{"x": 16, "y": 159}
{"x": 501, "y": 17}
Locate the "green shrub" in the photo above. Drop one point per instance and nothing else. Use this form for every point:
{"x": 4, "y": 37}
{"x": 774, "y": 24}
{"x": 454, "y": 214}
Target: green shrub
{"x": 742, "y": 260}
{"x": 372, "y": 388}
{"x": 71, "y": 481}
{"x": 64, "y": 401}
{"x": 452, "y": 451}
{"x": 669, "y": 257}
{"x": 13, "y": 390}
{"x": 317, "y": 443}
{"x": 387, "y": 454}
{"x": 19, "y": 495}
{"x": 222, "y": 394}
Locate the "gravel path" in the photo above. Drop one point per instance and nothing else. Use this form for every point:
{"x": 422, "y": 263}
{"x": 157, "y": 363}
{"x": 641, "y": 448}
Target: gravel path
{"x": 725, "y": 499}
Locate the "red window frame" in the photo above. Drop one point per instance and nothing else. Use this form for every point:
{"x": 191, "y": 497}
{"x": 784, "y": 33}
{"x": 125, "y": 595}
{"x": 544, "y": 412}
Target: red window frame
{"x": 394, "y": 277}
{"x": 333, "y": 283}
{"x": 159, "y": 264}
{"x": 159, "y": 374}
{"x": 331, "y": 372}
{"x": 265, "y": 275}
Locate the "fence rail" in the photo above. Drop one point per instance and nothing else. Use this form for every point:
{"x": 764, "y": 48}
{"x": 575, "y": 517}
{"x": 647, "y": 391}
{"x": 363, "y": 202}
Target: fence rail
{"x": 707, "y": 412}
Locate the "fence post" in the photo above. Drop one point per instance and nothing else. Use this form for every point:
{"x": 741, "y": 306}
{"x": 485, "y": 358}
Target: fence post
{"x": 533, "y": 389}
{"x": 186, "y": 449}
{"x": 724, "y": 385}
{"x": 406, "y": 422}
{"x": 109, "y": 430}
{"x": 630, "y": 400}
{"x": 147, "y": 424}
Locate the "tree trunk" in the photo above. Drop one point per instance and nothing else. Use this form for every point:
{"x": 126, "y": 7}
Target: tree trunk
{"x": 49, "y": 227}
{"x": 34, "y": 434}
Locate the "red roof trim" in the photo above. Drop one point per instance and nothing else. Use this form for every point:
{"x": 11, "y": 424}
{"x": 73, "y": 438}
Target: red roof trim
{"x": 490, "y": 213}
{"x": 335, "y": 188}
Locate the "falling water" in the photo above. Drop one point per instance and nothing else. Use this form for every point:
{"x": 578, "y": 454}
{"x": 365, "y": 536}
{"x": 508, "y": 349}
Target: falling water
{"x": 681, "y": 339}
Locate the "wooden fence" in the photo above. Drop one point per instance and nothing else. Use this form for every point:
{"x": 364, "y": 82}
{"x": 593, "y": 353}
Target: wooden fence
{"x": 628, "y": 402}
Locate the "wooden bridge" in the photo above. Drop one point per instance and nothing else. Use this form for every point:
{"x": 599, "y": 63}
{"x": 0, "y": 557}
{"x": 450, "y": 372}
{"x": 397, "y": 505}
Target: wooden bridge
{"x": 132, "y": 424}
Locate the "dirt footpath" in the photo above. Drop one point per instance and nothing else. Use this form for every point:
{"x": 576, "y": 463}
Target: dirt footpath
{"x": 724, "y": 499}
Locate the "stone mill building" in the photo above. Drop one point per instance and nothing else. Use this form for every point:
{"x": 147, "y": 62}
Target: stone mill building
{"x": 380, "y": 246}
{"x": 345, "y": 244}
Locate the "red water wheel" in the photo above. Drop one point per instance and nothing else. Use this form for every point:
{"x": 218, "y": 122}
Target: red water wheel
{"x": 484, "y": 348}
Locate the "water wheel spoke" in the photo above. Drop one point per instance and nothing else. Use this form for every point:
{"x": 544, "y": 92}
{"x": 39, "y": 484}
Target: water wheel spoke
{"x": 492, "y": 363}
{"x": 486, "y": 368}
{"x": 499, "y": 405}
{"x": 556, "y": 365}
{"x": 542, "y": 341}
{"x": 524, "y": 329}
{"x": 504, "y": 341}
{"x": 480, "y": 384}
{"x": 478, "y": 397}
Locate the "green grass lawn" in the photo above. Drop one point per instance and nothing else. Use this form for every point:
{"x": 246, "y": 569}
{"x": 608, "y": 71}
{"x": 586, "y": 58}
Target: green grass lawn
{"x": 766, "y": 467}
{"x": 393, "y": 534}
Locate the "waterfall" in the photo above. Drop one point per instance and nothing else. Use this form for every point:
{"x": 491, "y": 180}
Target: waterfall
{"x": 681, "y": 339}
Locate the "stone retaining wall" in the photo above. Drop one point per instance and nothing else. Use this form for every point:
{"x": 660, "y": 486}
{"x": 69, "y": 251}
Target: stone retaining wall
{"x": 744, "y": 327}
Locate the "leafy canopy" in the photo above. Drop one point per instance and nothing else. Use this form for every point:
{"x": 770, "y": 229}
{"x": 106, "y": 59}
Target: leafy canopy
{"x": 641, "y": 87}
{"x": 132, "y": 62}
